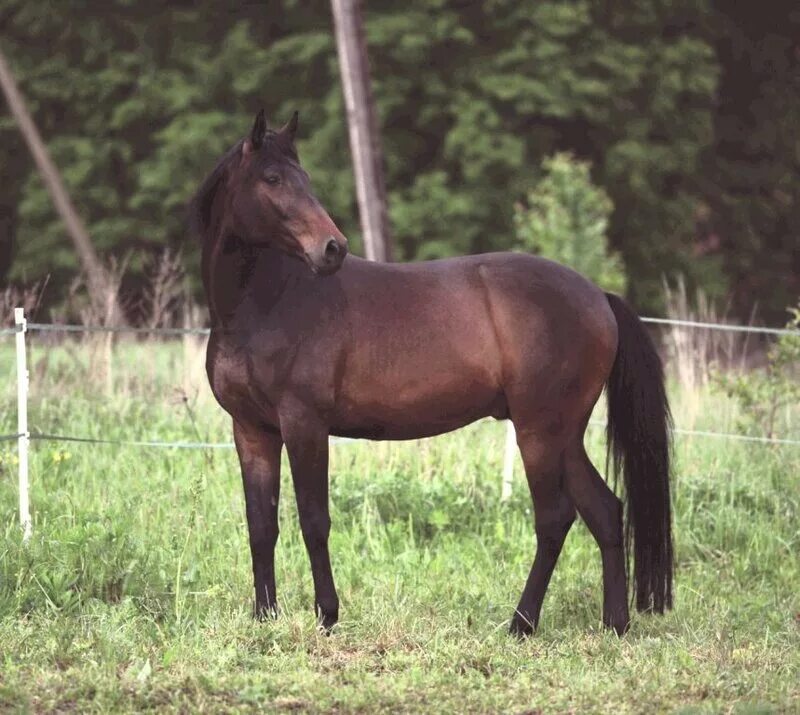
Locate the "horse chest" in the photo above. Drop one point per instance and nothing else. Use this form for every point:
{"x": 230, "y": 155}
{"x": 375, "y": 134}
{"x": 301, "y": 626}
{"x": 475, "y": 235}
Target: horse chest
{"x": 245, "y": 385}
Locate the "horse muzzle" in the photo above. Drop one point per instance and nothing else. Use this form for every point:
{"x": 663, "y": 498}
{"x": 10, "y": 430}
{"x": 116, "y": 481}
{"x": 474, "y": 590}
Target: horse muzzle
{"x": 328, "y": 257}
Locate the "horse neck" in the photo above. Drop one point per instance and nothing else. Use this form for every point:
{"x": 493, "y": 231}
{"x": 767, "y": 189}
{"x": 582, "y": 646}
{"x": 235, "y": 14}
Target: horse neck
{"x": 235, "y": 274}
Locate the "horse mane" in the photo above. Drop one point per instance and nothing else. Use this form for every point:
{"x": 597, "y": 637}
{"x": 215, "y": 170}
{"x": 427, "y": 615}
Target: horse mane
{"x": 276, "y": 147}
{"x": 201, "y": 203}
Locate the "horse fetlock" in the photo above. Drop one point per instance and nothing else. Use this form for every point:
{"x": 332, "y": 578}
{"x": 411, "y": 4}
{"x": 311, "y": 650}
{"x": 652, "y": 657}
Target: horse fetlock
{"x": 265, "y": 610}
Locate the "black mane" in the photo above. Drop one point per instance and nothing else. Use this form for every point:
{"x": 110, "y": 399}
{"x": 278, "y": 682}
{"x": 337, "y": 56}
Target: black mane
{"x": 276, "y": 148}
{"x": 203, "y": 200}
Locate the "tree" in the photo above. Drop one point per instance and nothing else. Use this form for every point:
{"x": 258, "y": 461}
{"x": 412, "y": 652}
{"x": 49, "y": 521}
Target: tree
{"x": 363, "y": 128}
{"x": 98, "y": 279}
{"x": 749, "y": 177}
{"x": 471, "y": 98}
{"x": 566, "y": 219}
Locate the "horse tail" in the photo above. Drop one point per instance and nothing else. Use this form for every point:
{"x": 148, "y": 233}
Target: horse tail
{"x": 638, "y": 434}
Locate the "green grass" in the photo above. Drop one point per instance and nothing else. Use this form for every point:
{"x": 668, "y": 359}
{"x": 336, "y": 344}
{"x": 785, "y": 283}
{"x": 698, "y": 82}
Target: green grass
{"x": 135, "y": 590}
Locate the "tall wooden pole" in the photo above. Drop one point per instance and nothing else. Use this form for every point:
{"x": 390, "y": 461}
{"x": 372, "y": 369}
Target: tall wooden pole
{"x": 99, "y": 282}
{"x": 362, "y": 125}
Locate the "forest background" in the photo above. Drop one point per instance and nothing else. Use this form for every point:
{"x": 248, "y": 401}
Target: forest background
{"x": 687, "y": 111}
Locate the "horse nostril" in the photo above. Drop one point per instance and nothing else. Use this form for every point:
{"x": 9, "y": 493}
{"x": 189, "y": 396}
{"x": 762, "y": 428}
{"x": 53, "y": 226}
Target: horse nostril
{"x": 332, "y": 250}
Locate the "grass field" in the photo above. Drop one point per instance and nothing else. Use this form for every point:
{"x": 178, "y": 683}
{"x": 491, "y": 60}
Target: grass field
{"x": 135, "y": 590}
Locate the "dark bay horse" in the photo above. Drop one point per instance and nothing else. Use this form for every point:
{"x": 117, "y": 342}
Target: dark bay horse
{"x": 305, "y": 344}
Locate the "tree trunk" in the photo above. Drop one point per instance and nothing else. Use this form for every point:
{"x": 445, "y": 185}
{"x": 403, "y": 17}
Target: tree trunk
{"x": 363, "y": 129}
{"x": 99, "y": 282}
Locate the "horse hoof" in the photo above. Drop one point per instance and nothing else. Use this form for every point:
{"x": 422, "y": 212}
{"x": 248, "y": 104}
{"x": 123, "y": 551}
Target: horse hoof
{"x": 327, "y": 618}
{"x": 265, "y": 613}
{"x": 619, "y": 622}
{"x": 520, "y": 627}
{"x": 619, "y": 627}
{"x": 326, "y": 622}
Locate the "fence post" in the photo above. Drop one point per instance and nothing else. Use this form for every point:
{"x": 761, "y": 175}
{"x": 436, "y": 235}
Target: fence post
{"x": 508, "y": 462}
{"x": 22, "y": 423}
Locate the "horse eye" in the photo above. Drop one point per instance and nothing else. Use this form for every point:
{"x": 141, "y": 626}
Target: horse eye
{"x": 272, "y": 179}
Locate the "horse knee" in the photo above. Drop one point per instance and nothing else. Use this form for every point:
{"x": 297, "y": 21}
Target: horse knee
{"x": 315, "y": 525}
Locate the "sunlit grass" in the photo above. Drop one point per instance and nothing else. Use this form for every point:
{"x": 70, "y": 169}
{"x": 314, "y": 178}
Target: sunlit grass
{"x": 135, "y": 589}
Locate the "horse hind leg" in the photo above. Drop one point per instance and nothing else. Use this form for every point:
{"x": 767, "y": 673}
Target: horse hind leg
{"x": 554, "y": 514}
{"x": 601, "y": 510}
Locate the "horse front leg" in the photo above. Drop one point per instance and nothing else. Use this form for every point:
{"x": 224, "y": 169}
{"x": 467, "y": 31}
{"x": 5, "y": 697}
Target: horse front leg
{"x": 307, "y": 446}
{"x": 260, "y": 458}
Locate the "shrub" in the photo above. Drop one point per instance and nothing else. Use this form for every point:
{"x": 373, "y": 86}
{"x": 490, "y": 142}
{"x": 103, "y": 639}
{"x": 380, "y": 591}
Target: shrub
{"x": 566, "y": 219}
{"x": 761, "y": 394}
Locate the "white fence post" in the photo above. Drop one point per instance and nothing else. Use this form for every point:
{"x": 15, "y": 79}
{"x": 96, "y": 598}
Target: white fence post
{"x": 22, "y": 423}
{"x": 508, "y": 463}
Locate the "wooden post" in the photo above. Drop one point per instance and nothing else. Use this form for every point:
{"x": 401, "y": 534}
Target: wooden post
{"x": 98, "y": 280}
{"x": 362, "y": 126}
{"x": 508, "y": 462}
{"x": 23, "y": 437}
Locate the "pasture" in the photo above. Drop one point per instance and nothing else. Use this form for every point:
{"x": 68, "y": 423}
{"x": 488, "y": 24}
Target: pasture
{"x": 135, "y": 590}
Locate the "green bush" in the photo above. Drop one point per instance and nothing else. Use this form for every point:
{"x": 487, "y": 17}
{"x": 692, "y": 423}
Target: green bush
{"x": 761, "y": 394}
{"x": 566, "y": 220}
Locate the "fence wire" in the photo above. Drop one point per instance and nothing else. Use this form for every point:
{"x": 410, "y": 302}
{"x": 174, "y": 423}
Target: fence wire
{"x": 44, "y": 437}
{"x": 64, "y": 328}
{"x": 735, "y": 436}
{"x": 721, "y": 326}
{"x": 69, "y": 328}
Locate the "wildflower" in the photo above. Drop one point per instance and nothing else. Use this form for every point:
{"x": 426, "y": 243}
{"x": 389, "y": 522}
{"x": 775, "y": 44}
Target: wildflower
{"x": 61, "y": 456}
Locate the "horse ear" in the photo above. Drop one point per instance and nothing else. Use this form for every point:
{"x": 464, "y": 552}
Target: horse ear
{"x": 257, "y": 134}
{"x": 290, "y": 128}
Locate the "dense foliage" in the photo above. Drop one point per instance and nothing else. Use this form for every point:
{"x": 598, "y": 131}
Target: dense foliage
{"x": 685, "y": 109}
{"x": 565, "y": 218}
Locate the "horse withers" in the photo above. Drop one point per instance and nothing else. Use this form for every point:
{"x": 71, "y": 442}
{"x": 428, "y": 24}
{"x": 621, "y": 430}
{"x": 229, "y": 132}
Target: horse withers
{"x": 306, "y": 343}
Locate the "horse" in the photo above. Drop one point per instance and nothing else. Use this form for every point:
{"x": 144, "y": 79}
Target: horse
{"x": 308, "y": 342}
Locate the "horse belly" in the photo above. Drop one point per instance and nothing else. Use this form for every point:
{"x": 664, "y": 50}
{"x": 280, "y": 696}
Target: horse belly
{"x": 417, "y": 396}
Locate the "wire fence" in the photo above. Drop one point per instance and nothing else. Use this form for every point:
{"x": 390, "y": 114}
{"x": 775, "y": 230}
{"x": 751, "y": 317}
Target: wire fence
{"x": 728, "y": 327}
{"x": 23, "y": 436}
{"x": 44, "y": 437}
{"x": 137, "y": 330}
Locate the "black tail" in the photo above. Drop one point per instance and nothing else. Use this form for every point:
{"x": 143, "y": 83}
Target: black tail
{"x": 638, "y": 440}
